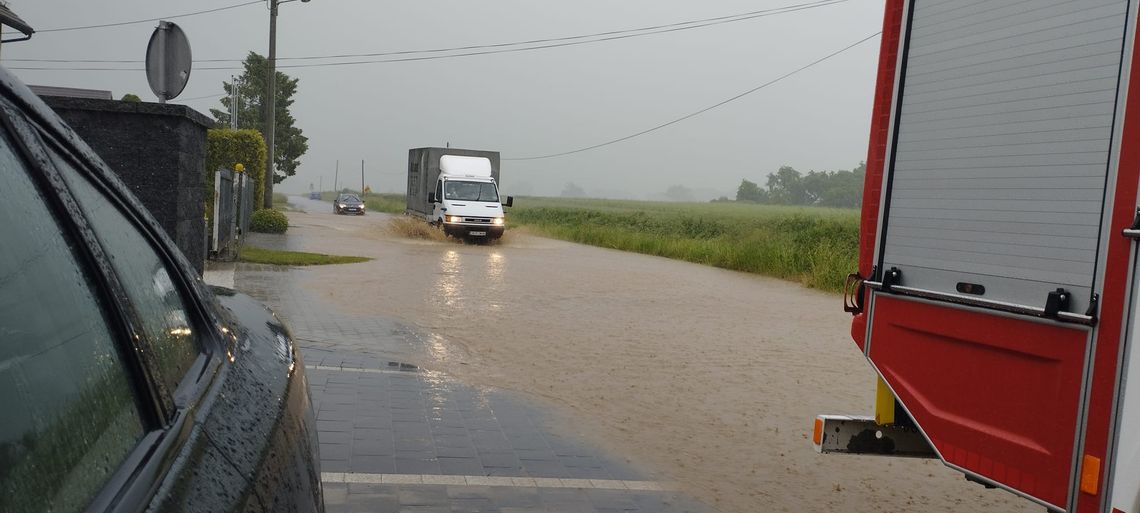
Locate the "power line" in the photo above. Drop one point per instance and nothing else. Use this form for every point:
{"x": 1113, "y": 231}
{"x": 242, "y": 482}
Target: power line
{"x": 121, "y": 23}
{"x": 706, "y": 22}
{"x": 560, "y": 44}
{"x": 201, "y": 97}
{"x": 706, "y": 109}
{"x": 490, "y": 48}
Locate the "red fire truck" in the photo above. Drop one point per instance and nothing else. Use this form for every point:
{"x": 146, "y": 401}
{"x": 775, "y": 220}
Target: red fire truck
{"x": 997, "y": 289}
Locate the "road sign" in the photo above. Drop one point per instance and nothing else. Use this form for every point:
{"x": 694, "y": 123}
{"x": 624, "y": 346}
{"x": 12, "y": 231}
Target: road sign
{"x": 168, "y": 61}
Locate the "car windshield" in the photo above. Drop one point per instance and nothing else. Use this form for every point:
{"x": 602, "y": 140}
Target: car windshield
{"x": 470, "y": 191}
{"x": 348, "y": 198}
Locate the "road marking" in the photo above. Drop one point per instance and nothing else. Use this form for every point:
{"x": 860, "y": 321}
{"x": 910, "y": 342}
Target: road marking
{"x": 513, "y": 482}
{"x": 367, "y": 371}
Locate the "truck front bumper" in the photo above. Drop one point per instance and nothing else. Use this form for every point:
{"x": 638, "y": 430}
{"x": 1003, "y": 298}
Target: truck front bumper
{"x": 473, "y": 231}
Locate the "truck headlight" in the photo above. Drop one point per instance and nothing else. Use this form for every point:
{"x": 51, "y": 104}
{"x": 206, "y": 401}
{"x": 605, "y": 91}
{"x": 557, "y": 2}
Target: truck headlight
{"x": 498, "y": 221}
{"x": 454, "y": 219}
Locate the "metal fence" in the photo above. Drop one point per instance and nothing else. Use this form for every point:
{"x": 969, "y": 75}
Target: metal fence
{"x": 233, "y": 206}
{"x": 245, "y": 205}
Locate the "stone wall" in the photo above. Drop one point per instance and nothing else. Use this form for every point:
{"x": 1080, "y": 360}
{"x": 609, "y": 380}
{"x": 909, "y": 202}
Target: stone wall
{"x": 159, "y": 151}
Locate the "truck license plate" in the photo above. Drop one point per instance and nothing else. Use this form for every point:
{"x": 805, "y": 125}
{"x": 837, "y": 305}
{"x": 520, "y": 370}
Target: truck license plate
{"x": 478, "y": 233}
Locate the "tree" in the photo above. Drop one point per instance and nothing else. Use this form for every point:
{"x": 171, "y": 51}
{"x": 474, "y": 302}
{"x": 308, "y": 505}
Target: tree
{"x": 816, "y": 185}
{"x": 572, "y": 191}
{"x": 289, "y": 141}
{"x": 786, "y": 187}
{"x": 130, "y": 97}
{"x": 749, "y": 191}
{"x": 679, "y": 193}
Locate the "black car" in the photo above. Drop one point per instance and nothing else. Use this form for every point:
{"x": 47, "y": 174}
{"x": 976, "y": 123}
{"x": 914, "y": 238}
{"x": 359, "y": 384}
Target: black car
{"x": 126, "y": 384}
{"x": 348, "y": 204}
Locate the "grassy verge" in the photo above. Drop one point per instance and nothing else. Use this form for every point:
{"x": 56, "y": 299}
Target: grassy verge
{"x": 814, "y": 246}
{"x": 258, "y": 255}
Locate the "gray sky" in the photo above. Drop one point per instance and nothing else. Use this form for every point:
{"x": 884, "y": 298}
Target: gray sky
{"x": 521, "y": 103}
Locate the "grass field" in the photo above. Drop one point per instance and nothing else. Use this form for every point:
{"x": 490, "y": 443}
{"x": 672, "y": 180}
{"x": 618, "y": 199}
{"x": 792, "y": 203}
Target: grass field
{"x": 815, "y": 246}
{"x": 376, "y": 202}
{"x": 280, "y": 201}
{"x": 390, "y": 203}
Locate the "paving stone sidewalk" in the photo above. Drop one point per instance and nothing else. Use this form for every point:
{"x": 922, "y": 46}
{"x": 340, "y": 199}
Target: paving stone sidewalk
{"x": 395, "y": 437}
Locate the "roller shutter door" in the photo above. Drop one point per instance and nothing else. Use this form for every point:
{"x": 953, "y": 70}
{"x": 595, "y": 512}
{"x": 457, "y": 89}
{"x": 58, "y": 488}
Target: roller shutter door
{"x": 1003, "y": 136}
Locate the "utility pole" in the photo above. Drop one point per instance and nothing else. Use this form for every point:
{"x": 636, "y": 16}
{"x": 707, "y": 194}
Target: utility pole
{"x": 336, "y": 177}
{"x": 233, "y": 102}
{"x": 362, "y": 177}
{"x": 270, "y": 105}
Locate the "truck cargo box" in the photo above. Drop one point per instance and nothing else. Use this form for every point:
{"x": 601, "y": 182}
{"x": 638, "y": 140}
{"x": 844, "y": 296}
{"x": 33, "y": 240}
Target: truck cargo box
{"x": 424, "y": 169}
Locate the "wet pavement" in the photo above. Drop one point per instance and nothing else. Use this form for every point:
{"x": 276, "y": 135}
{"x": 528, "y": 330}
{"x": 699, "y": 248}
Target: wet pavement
{"x": 396, "y": 437}
{"x": 638, "y": 371}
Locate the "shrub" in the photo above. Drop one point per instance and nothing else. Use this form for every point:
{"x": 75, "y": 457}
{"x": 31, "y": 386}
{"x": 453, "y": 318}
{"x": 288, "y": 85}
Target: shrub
{"x": 268, "y": 220}
{"x": 226, "y": 148}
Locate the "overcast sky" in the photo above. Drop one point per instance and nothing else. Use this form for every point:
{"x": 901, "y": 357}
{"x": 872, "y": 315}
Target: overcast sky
{"x": 520, "y": 103}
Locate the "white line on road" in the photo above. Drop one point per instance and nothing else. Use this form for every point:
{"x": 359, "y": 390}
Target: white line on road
{"x": 515, "y": 482}
{"x": 351, "y": 369}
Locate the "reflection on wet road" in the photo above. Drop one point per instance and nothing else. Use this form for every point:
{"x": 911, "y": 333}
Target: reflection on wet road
{"x": 450, "y": 285}
{"x": 395, "y": 436}
{"x": 485, "y": 271}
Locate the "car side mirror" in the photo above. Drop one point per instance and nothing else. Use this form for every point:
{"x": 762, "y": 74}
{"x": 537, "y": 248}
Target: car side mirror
{"x": 431, "y": 197}
{"x": 510, "y": 201}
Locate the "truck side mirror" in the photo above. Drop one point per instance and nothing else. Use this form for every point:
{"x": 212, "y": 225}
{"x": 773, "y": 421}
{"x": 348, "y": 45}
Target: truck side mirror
{"x": 510, "y": 201}
{"x": 431, "y": 197}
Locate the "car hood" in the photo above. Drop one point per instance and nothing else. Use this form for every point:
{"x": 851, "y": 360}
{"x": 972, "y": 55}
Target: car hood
{"x": 252, "y": 446}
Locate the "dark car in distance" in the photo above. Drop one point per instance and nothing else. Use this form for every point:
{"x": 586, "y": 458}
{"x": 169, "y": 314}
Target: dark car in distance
{"x": 348, "y": 204}
{"x": 126, "y": 383}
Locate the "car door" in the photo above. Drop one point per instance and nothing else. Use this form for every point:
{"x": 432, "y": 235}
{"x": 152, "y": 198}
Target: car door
{"x": 107, "y": 345}
{"x": 86, "y": 409}
{"x": 437, "y": 208}
{"x": 77, "y": 407}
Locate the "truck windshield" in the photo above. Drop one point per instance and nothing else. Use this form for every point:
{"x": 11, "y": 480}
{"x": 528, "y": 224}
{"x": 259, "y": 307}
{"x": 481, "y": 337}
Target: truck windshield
{"x": 470, "y": 191}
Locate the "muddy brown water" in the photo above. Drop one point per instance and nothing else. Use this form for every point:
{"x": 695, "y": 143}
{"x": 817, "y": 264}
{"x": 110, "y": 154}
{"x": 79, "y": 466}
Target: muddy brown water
{"x": 706, "y": 377}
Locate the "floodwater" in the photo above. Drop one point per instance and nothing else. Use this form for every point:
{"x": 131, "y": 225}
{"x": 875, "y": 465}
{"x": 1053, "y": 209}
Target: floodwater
{"x": 706, "y": 377}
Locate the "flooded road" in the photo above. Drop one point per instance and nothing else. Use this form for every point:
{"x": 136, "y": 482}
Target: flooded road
{"x": 710, "y": 378}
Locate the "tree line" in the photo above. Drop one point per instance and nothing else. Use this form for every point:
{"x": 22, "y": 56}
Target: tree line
{"x": 840, "y": 189}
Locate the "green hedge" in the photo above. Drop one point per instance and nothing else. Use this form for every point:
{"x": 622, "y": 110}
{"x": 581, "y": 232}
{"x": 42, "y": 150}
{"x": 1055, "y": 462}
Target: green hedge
{"x": 268, "y": 220}
{"x": 226, "y": 148}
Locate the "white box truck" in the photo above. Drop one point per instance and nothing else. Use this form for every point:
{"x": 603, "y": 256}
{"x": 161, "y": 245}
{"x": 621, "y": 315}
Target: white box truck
{"x": 457, "y": 190}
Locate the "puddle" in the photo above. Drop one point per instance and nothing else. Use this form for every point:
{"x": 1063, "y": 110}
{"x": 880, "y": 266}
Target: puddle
{"x": 406, "y": 367}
